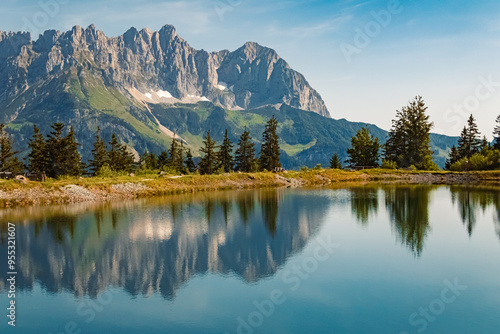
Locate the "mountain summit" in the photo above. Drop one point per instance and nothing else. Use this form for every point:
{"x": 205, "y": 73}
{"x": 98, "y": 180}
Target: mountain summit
{"x": 152, "y": 67}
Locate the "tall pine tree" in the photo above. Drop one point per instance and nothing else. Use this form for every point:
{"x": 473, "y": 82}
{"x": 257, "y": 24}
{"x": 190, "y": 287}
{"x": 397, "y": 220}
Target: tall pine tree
{"x": 72, "y": 159}
{"x": 163, "y": 160}
{"x": 56, "y": 148}
{"x": 408, "y": 142}
{"x": 485, "y": 146}
{"x": 176, "y": 155}
{"x": 8, "y": 160}
{"x": 245, "y": 154}
{"x": 99, "y": 154}
{"x": 120, "y": 159}
{"x": 469, "y": 142}
{"x": 454, "y": 157}
{"x": 126, "y": 159}
{"x": 496, "y": 134}
{"x": 225, "y": 154}
{"x": 148, "y": 160}
{"x": 270, "y": 149}
{"x": 189, "y": 163}
{"x": 38, "y": 157}
{"x": 208, "y": 161}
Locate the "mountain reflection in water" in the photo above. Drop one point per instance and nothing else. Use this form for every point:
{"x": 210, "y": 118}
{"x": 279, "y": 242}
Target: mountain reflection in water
{"x": 156, "y": 245}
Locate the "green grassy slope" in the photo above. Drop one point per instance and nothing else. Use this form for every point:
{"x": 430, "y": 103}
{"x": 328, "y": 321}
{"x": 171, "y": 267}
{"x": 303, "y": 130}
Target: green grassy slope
{"x": 79, "y": 97}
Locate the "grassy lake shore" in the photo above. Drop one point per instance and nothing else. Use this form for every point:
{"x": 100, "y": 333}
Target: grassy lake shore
{"x": 74, "y": 190}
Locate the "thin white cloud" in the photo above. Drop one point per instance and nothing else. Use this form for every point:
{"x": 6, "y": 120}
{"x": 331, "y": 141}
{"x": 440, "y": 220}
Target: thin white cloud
{"x": 308, "y": 30}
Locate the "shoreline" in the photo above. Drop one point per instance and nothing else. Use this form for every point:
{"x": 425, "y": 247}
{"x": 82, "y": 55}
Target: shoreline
{"x": 104, "y": 189}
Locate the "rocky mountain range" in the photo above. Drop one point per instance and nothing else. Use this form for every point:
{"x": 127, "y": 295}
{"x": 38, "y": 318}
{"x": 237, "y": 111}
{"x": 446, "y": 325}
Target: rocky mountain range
{"x": 154, "y": 67}
{"x": 147, "y": 87}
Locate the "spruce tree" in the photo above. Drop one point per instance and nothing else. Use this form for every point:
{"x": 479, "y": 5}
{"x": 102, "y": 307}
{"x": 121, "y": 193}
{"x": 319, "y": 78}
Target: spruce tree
{"x": 119, "y": 157}
{"x": 463, "y": 144}
{"x": 335, "y": 162}
{"x": 454, "y": 157}
{"x": 99, "y": 154}
{"x": 225, "y": 157}
{"x": 8, "y": 160}
{"x": 37, "y": 158}
{"x": 364, "y": 149}
{"x": 176, "y": 155}
{"x": 56, "y": 148}
{"x": 270, "y": 149}
{"x": 152, "y": 161}
{"x": 485, "y": 146}
{"x": 114, "y": 154}
{"x": 469, "y": 142}
{"x": 180, "y": 157}
{"x": 72, "y": 159}
{"x": 408, "y": 142}
{"x": 189, "y": 163}
{"x": 148, "y": 160}
{"x": 396, "y": 144}
{"x": 496, "y": 134}
{"x": 126, "y": 159}
{"x": 208, "y": 162}
{"x": 163, "y": 160}
{"x": 245, "y": 154}
{"x": 473, "y": 135}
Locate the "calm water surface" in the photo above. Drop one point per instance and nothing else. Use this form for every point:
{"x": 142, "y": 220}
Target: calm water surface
{"x": 364, "y": 259}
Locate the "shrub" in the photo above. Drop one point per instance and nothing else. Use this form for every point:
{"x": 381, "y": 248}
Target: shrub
{"x": 428, "y": 164}
{"x": 389, "y": 164}
{"x": 476, "y": 162}
{"x": 106, "y": 171}
{"x": 220, "y": 171}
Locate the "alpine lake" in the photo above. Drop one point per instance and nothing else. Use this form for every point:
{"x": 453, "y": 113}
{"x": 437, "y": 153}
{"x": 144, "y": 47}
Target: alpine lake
{"x": 373, "y": 258}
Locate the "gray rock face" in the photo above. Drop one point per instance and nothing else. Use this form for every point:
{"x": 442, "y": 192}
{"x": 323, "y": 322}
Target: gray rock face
{"x": 250, "y": 77}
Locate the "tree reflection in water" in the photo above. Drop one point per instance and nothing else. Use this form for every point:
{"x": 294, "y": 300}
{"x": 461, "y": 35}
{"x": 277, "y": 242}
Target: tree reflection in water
{"x": 408, "y": 207}
{"x": 471, "y": 199}
{"x": 364, "y": 202}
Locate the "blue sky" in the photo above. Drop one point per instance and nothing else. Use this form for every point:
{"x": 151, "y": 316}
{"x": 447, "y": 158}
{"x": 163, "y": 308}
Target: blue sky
{"x": 366, "y": 58}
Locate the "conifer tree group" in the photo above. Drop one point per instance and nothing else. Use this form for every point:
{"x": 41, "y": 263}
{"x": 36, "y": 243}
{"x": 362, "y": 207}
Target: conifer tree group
{"x": 408, "y": 144}
{"x": 474, "y": 152}
{"x": 55, "y": 155}
{"x": 116, "y": 157}
{"x": 178, "y": 159}
{"x": 245, "y": 154}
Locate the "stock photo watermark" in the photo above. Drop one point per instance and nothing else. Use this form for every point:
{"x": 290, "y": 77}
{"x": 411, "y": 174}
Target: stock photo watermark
{"x": 364, "y": 36}
{"x": 35, "y": 24}
{"x": 11, "y": 274}
{"x": 48, "y": 9}
{"x": 223, "y": 6}
{"x": 292, "y": 278}
{"x": 459, "y": 112}
{"x": 424, "y": 316}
